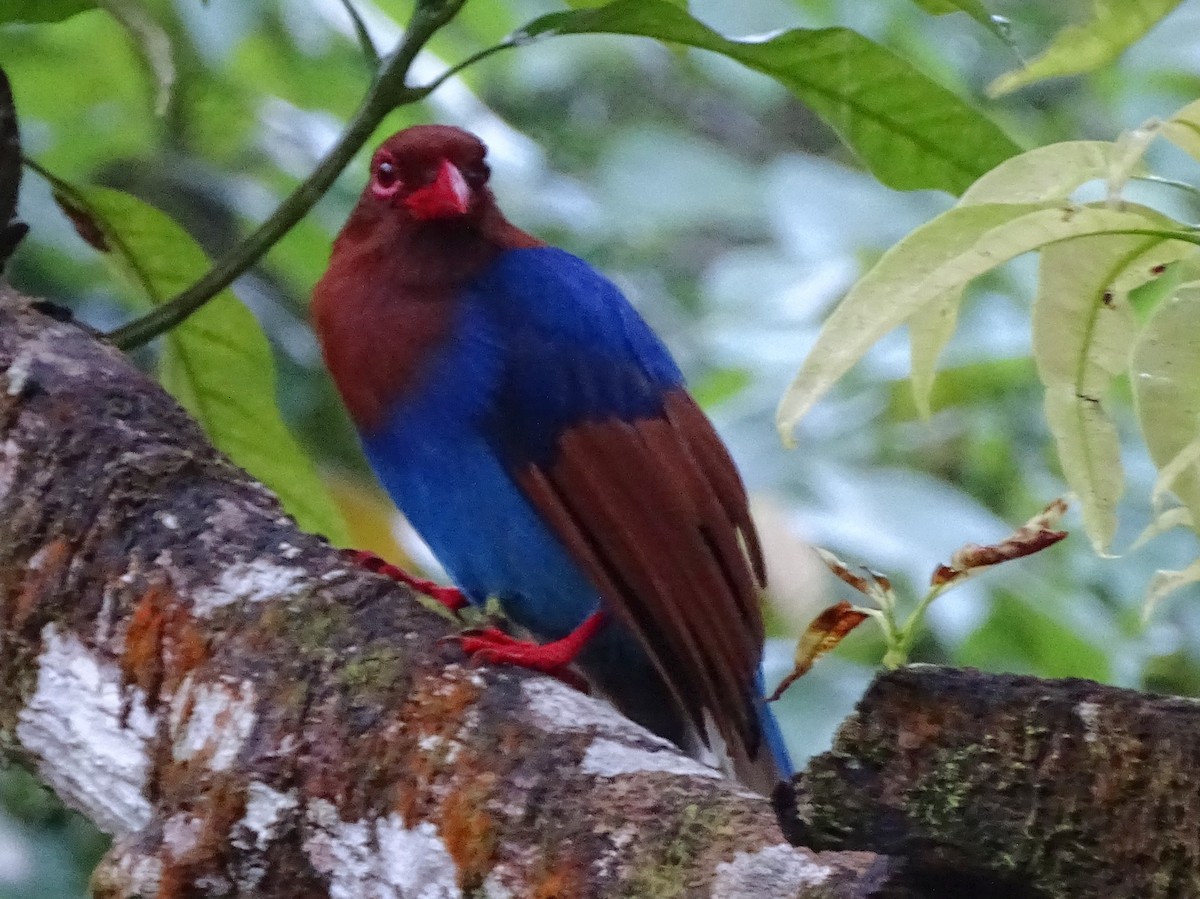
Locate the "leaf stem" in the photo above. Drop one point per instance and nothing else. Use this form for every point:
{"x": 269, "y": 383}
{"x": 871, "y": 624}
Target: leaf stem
{"x": 360, "y": 30}
{"x": 904, "y": 636}
{"x": 388, "y": 91}
{"x": 506, "y": 44}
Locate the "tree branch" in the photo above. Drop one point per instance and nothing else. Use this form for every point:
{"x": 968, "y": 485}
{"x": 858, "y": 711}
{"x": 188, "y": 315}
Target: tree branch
{"x": 248, "y": 715}
{"x": 1006, "y": 786}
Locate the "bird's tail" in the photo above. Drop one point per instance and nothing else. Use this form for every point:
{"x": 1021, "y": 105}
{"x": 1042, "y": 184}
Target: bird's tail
{"x": 760, "y": 767}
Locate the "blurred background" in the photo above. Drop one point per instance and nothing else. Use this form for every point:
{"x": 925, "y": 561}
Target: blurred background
{"x": 732, "y": 218}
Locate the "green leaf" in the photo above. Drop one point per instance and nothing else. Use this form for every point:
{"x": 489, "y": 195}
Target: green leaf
{"x": 1083, "y": 330}
{"x": 973, "y": 8}
{"x": 153, "y": 46}
{"x": 1114, "y": 26}
{"x": 720, "y": 384}
{"x": 942, "y": 255}
{"x": 42, "y": 10}
{"x": 218, "y": 363}
{"x": 908, "y": 130}
{"x": 1018, "y": 636}
{"x": 592, "y": 4}
{"x": 1165, "y": 373}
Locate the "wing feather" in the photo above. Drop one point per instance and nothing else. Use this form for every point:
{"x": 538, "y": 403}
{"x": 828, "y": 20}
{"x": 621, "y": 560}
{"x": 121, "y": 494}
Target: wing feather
{"x": 630, "y": 502}
{"x": 593, "y": 422}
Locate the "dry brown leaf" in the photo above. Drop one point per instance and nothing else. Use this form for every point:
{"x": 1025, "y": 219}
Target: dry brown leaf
{"x": 1032, "y": 537}
{"x": 823, "y": 634}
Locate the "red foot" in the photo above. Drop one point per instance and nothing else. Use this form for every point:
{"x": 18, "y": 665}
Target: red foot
{"x": 495, "y": 646}
{"x": 451, "y": 597}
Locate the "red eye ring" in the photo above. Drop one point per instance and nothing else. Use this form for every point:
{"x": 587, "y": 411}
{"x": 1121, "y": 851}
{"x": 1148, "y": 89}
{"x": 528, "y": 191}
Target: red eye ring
{"x": 385, "y": 181}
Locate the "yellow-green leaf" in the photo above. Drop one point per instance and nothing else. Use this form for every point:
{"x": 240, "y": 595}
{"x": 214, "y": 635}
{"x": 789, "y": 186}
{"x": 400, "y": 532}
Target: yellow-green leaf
{"x": 218, "y": 363}
{"x": 1051, "y": 172}
{"x": 1083, "y": 331}
{"x": 929, "y": 330}
{"x": 1183, "y": 129}
{"x": 941, "y": 256}
{"x": 1174, "y": 517}
{"x": 1043, "y": 174}
{"x": 1165, "y": 583}
{"x": 1165, "y": 373}
{"x": 1114, "y": 26}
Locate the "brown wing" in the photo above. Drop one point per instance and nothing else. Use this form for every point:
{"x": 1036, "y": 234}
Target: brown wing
{"x": 656, "y": 514}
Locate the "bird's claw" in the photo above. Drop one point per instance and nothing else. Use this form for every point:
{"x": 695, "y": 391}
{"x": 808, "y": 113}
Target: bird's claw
{"x": 493, "y": 646}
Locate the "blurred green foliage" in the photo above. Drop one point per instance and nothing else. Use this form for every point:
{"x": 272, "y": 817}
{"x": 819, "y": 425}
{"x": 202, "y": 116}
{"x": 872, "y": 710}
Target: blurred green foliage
{"x": 732, "y": 215}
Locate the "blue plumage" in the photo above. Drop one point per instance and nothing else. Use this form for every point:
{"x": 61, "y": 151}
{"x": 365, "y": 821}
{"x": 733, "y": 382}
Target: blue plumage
{"x": 541, "y": 342}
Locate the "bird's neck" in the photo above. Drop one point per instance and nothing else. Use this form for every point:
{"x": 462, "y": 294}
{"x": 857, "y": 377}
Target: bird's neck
{"x": 388, "y": 300}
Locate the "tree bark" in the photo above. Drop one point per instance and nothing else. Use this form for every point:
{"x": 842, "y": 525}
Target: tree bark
{"x": 248, "y": 715}
{"x": 1006, "y": 786}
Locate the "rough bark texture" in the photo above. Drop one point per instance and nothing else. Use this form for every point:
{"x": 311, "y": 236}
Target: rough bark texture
{"x": 997, "y": 785}
{"x": 249, "y": 716}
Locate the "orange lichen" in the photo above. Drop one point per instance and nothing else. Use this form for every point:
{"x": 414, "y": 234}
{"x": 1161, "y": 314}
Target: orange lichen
{"x": 141, "y": 662}
{"x": 41, "y": 575}
{"x": 562, "y": 880}
{"x": 434, "y": 717}
{"x": 162, "y": 643}
{"x": 469, "y": 831}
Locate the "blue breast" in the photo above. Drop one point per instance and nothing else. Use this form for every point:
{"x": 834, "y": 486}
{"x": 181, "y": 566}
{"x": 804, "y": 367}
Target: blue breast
{"x": 541, "y": 342}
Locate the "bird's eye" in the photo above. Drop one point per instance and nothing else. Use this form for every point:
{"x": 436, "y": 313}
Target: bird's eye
{"x": 386, "y": 181}
{"x": 477, "y": 176}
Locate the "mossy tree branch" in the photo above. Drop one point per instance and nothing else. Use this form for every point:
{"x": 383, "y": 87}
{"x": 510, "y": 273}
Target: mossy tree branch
{"x": 248, "y": 715}
{"x": 1006, "y": 786}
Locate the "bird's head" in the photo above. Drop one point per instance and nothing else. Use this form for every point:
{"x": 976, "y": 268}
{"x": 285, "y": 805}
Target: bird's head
{"x": 430, "y": 172}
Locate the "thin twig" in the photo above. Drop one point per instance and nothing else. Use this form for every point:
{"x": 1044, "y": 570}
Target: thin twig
{"x": 364, "y": 36}
{"x": 388, "y": 91}
{"x": 506, "y": 44}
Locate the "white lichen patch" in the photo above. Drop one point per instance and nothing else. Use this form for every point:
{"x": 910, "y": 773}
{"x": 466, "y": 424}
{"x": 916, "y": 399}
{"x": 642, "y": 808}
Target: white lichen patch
{"x": 215, "y": 719}
{"x": 38, "y": 559}
{"x": 88, "y": 733}
{"x": 770, "y": 873}
{"x": 494, "y": 888}
{"x": 439, "y": 745}
{"x": 556, "y": 708}
{"x": 10, "y": 453}
{"x": 167, "y": 520}
{"x": 180, "y": 834}
{"x": 18, "y": 372}
{"x": 610, "y": 758}
{"x": 256, "y": 581}
{"x": 379, "y": 857}
{"x": 265, "y": 810}
{"x": 1089, "y": 714}
{"x": 263, "y": 823}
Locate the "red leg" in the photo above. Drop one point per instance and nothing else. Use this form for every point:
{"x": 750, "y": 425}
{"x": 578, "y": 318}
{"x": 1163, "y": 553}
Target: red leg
{"x": 495, "y": 646}
{"x": 451, "y": 597}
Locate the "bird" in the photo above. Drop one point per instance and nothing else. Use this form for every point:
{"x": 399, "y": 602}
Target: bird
{"x": 540, "y": 438}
